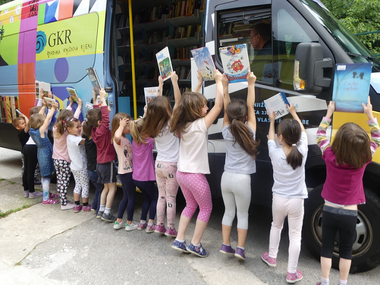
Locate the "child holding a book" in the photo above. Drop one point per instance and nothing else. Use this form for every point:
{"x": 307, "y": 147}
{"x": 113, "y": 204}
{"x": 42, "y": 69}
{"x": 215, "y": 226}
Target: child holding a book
{"x": 239, "y": 129}
{"x": 347, "y": 156}
{"x": 191, "y": 121}
{"x": 98, "y": 118}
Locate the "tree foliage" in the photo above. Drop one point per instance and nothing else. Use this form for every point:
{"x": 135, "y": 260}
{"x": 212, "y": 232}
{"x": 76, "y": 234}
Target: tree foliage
{"x": 359, "y": 16}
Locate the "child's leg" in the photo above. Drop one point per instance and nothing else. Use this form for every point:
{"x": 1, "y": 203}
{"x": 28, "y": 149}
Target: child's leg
{"x": 63, "y": 172}
{"x": 45, "y": 181}
{"x": 103, "y": 197}
{"x": 229, "y": 205}
{"x": 85, "y": 185}
{"x": 22, "y": 164}
{"x": 111, "y": 194}
{"x": 31, "y": 152}
{"x": 171, "y": 195}
{"x": 131, "y": 193}
{"x": 295, "y": 220}
{"x": 94, "y": 178}
{"x": 123, "y": 203}
{"x": 279, "y": 213}
{"x": 153, "y": 193}
{"x": 147, "y": 201}
{"x": 161, "y": 185}
{"x": 78, "y": 186}
{"x": 24, "y": 173}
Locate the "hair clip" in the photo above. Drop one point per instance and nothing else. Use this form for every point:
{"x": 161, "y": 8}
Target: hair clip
{"x": 294, "y": 144}
{"x": 63, "y": 122}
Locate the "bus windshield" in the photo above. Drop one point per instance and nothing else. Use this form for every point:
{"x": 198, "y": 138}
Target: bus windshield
{"x": 348, "y": 41}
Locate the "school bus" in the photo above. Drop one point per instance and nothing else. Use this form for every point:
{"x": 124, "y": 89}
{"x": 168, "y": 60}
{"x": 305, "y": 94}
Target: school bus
{"x": 56, "y": 41}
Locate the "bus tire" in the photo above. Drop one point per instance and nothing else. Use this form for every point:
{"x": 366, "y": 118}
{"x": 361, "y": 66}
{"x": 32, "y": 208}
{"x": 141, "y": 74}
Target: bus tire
{"x": 366, "y": 249}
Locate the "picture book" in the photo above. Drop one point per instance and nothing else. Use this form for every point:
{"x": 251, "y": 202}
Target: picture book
{"x": 94, "y": 79}
{"x": 235, "y": 62}
{"x": 164, "y": 63}
{"x": 351, "y": 86}
{"x": 13, "y": 107}
{"x": 44, "y": 86}
{"x": 18, "y": 112}
{"x": 49, "y": 102}
{"x": 205, "y": 63}
{"x": 8, "y": 109}
{"x": 73, "y": 94}
{"x": 150, "y": 93}
{"x": 277, "y": 105}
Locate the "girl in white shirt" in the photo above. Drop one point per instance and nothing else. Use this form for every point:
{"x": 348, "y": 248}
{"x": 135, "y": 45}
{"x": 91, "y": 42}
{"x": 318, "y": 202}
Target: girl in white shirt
{"x": 289, "y": 188}
{"x": 191, "y": 121}
{"x": 78, "y": 165}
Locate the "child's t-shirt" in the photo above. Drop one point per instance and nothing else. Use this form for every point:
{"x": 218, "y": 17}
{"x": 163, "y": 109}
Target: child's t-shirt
{"x": 23, "y": 137}
{"x": 76, "y": 152}
{"x": 124, "y": 155}
{"x": 91, "y": 153}
{"x": 143, "y": 163}
{"x": 288, "y": 182}
{"x": 167, "y": 146}
{"x": 193, "y": 155}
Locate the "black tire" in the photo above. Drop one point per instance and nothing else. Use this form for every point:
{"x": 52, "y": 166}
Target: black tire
{"x": 366, "y": 249}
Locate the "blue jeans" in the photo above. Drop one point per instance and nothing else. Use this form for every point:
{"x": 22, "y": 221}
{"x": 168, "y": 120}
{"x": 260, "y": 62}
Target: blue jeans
{"x": 98, "y": 189}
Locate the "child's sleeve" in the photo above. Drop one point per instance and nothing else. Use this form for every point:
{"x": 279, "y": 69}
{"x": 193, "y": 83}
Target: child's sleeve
{"x": 322, "y": 140}
{"x": 77, "y": 112}
{"x": 375, "y": 134}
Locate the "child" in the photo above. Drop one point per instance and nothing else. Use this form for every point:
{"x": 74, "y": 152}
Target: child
{"x": 91, "y": 156}
{"x": 99, "y": 119}
{"x": 289, "y": 188}
{"x": 60, "y": 155}
{"x": 77, "y": 154}
{"x": 239, "y": 129}
{"x": 143, "y": 173}
{"x": 347, "y": 156}
{"x": 158, "y": 115}
{"x": 123, "y": 148}
{"x": 38, "y": 125}
{"x": 191, "y": 121}
{"x": 28, "y": 155}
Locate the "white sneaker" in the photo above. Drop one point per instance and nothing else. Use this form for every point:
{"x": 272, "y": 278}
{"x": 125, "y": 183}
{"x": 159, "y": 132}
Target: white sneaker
{"x": 68, "y": 206}
{"x": 118, "y": 226}
{"x": 132, "y": 226}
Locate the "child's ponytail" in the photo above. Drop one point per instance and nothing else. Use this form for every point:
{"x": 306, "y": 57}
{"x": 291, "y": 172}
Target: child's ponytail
{"x": 136, "y": 127}
{"x": 290, "y": 130}
{"x": 59, "y": 126}
{"x": 294, "y": 158}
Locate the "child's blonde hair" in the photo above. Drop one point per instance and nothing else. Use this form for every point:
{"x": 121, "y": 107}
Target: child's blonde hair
{"x": 116, "y": 122}
{"x": 59, "y": 124}
{"x": 70, "y": 122}
{"x": 16, "y": 121}
{"x": 136, "y": 127}
{"x": 36, "y": 121}
{"x": 352, "y": 146}
{"x": 188, "y": 110}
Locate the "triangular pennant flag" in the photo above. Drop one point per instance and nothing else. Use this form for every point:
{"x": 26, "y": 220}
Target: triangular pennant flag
{"x": 82, "y": 7}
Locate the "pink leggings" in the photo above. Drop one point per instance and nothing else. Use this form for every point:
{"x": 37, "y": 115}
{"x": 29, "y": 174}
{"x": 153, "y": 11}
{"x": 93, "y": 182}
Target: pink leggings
{"x": 293, "y": 208}
{"x": 196, "y": 191}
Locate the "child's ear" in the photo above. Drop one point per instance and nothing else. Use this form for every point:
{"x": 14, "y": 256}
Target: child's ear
{"x": 99, "y": 123}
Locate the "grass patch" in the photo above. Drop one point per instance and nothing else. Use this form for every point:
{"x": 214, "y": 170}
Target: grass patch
{"x": 2, "y": 179}
{"x": 7, "y": 213}
{"x": 11, "y": 182}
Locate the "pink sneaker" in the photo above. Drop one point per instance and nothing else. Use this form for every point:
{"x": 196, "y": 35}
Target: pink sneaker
{"x": 294, "y": 277}
{"x": 268, "y": 260}
{"x": 160, "y": 229}
{"x": 150, "y": 228}
{"x": 50, "y": 202}
{"x": 86, "y": 208}
{"x": 171, "y": 233}
{"x": 35, "y": 194}
{"x": 53, "y": 196}
{"x": 77, "y": 208}
{"x": 141, "y": 226}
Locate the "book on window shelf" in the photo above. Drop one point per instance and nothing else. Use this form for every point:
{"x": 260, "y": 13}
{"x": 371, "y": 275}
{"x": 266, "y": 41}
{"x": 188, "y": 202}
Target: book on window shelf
{"x": 235, "y": 62}
{"x": 205, "y": 63}
{"x": 164, "y": 63}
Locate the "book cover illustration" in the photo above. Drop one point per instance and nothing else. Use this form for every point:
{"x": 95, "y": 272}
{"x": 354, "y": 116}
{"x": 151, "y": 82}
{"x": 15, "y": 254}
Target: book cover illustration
{"x": 49, "y": 102}
{"x": 73, "y": 94}
{"x": 204, "y": 62}
{"x": 277, "y": 105}
{"x": 271, "y": 72}
{"x": 94, "y": 79}
{"x": 164, "y": 63}
{"x": 235, "y": 62}
{"x": 46, "y": 88}
{"x": 351, "y": 86}
{"x": 150, "y": 93}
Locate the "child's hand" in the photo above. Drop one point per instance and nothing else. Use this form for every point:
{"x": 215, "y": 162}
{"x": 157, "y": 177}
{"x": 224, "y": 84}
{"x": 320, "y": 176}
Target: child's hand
{"x": 331, "y": 109}
{"x": 368, "y": 109}
{"x": 124, "y": 122}
{"x": 44, "y": 103}
{"x": 102, "y": 93}
{"x": 199, "y": 76}
{"x": 109, "y": 109}
{"x": 174, "y": 77}
{"x": 70, "y": 100}
{"x": 50, "y": 95}
{"x": 41, "y": 93}
{"x": 94, "y": 99}
{"x": 161, "y": 81}
{"x": 292, "y": 109}
{"x": 225, "y": 81}
{"x": 217, "y": 76}
{"x": 80, "y": 102}
{"x": 251, "y": 78}
{"x": 145, "y": 108}
{"x": 54, "y": 106}
{"x": 271, "y": 116}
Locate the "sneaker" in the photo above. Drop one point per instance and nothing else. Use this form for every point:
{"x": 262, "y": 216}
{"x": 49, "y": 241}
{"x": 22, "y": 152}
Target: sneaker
{"x": 197, "y": 250}
{"x": 99, "y": 214}
{"x": 118, "y": 226}
{"x": 227, "y": 249}
{"x": 240, "y": 253}
{"x": 53, "y": 196}
{"x": 35, "y": 194}
{"x": 268, "y": 260}
{"x": 37, "y": 181}
{"x": 131, "y": 227}
{"x": 77, "y": 208}
{"x": 108, "y": 218}
{"x": 181, "y": 246}
{"x": 150, "y": 228}
{"x": 141, "y": 226}
{"x": 160, "y": 229}
{"x": 26, "y": 194}
{"x": 86, "y": 208}
{"x": 68, "y": 206}
{"x": 49, "y": 202}
{"x": 294, "y": 277}
{"x": 171, "y": 233}
{"x": 93, "y": 210}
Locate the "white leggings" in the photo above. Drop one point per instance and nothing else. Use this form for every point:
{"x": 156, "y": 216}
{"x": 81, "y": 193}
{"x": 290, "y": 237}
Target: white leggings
{"x": 293, "y": 208}
{"x": 236, "y": 193}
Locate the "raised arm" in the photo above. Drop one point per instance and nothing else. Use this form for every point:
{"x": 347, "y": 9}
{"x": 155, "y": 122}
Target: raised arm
{"x": 119, "y": 132}
{"x": 251, "y": 101}
{"x": 215, "y": 111}
{"x": 94, "y": 98}
{"x": 271, "y": 133}
{"x": 373, "y": 126}
{"x": 227, "y": 99}
{"x": 26, "y": 123}
{"x": 102, "y": 95}
{"x": 322, "y": 140}
{"x": 42, "y": 110}
{"x": 293, "y": 111}
{"x": 49, "y": 115}
{"x": 160, "y": 85}
{"x": 79, "y": 108}
{"x": 177, "y": 92}
{"x": 198, "y": 88}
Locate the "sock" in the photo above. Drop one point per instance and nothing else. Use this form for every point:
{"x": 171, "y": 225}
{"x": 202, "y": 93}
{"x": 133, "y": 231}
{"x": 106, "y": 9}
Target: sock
{"x": 241, "y": 247}
{"x": 76, "y": 203}
{"x": 85, "y": 204}
{"x": 342, "y": 282}
{"x": 197, "y": 244}
{"x": 180, "y": 240}
{"x": 107, "y": 211}
{"x": 142, "y": 222}
{"x": 150, "y": 224}
{"x": 101, "y": 208}
{"x": 227, "y": 244}
{"x": 324, "y": 281}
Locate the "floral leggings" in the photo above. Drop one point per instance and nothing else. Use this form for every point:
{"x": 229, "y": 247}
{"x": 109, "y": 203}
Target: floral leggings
{"x": 167, "y": 192}
{"x": 62, "y": 169}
